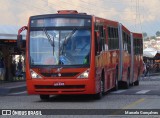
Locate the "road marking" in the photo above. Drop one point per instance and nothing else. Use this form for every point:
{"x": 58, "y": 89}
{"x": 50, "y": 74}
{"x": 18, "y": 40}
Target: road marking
{"x": 119, "y": 91}
{"x": 143, "y": 91}
{"x": 18, "y": 93}
{"x": 134, "y": 103}
{"x": 129, "y": 106}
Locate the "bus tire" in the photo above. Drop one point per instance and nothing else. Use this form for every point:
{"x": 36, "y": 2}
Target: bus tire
{"x": 116, "y": 81}
{"x": 44, "y": 97}
{"x": 136, "y": 83}
{"x": 126, "y": 84}
{"x": 99, "y": 95}
{"x": 131, "y": 84}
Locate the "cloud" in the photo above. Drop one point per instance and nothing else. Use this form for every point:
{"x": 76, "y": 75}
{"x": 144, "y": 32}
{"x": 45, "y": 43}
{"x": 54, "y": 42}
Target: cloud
{"x": 17, "y": 12}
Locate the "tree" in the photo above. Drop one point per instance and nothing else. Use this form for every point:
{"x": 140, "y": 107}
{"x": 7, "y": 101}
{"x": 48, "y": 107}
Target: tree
{"x": 144, "y": 34}
{"x": 146, "y": 39}
{"x": 153, "y": 37}
{"x": 158, "y": 33}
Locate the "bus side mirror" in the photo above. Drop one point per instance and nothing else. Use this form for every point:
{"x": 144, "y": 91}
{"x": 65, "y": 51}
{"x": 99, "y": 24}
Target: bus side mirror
{"x": 20, "y": 44}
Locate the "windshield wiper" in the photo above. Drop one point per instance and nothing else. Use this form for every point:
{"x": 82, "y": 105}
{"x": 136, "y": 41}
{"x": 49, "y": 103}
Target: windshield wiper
{"x": 66, "y": 38}
{"x": 62, "y": 59}
{"x": 49, "y": 39}
{"x": 70, "y": 34}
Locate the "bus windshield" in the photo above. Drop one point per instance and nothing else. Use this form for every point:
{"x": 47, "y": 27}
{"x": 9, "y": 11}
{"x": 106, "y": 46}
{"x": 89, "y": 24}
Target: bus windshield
{"x": 60, "y": 47}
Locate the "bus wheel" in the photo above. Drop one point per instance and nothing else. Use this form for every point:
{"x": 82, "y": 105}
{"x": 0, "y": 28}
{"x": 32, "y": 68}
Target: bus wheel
{"x": 100, "y": 94}
{"x": 44, "y": 97}
{"x": 116, "y": 85}
{"x": 126, "y": 85}
{"x": 130, "y": 83}
{"x": 136, "y": 83}
{"x": 116, "y": 82}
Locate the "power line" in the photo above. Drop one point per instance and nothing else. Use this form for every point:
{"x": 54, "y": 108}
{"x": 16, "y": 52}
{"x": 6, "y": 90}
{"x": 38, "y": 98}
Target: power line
{"x": 139, "y": 16}
{"x": 52, "y": 4}
{"x": 94, "y": 5}
{"x": 90, "y": 8}
{"x": 150, "y": 28}
{"x": 18, "y": 1}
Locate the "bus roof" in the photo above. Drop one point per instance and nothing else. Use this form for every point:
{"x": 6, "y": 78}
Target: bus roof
{"x": 64, "y": 13}
{"x": 137, "y": 35}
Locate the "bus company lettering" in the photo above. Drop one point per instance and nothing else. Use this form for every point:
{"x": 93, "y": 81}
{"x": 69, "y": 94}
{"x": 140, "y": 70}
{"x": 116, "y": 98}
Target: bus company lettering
{"x": 27, "y": 112}
{"x": 141, "y": 113}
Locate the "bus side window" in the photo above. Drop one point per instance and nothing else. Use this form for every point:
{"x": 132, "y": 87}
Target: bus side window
{"x": 97, "y": 43}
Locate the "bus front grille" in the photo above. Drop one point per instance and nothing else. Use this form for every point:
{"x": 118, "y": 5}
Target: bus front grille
{"x": 59, "y": 87}
{"x": 60, "y": 74}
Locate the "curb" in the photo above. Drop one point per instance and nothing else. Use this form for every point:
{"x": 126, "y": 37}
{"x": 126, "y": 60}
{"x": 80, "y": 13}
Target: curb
{"x": 153, "y": 74}
{"x": 8, "y": 90}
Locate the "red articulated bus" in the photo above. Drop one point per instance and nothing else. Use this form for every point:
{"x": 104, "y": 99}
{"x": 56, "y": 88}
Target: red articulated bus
{"x": 76, "y": 53}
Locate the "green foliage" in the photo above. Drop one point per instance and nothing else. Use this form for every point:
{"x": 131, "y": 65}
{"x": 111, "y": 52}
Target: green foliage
{"x": 146, "y": 39}
{"x": 153, "y": 37}
{"x": 158, "y": 33}
{"x": 144, "y": 34}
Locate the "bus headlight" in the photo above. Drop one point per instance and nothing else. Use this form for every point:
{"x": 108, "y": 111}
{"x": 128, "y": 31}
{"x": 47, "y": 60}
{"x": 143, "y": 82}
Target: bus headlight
{"x": 85, "y": 74}
{"x": 34, "y": 74}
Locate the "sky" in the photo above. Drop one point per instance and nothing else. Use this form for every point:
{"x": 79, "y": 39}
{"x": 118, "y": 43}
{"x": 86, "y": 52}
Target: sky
{"x": 136, "y": 15}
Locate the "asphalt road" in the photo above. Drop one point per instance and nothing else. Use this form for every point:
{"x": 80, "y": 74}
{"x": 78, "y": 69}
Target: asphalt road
{"x": 144, "y": 96}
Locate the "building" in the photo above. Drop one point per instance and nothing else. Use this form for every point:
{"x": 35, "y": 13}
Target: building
{"x": 8, "y": 49}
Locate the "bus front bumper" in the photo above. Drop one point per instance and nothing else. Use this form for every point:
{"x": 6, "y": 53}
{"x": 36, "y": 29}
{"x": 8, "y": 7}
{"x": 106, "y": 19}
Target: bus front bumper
{"x": 60, "y": 86}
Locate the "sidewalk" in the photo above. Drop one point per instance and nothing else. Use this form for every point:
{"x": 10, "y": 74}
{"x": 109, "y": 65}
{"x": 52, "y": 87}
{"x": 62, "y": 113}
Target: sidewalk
{"x": 154, "y": 74}
{"x": 12, "y": 87}
{"x": 151, "y": 74}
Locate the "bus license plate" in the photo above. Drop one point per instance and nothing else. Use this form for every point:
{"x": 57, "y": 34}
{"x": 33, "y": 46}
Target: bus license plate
{"x": 59, "y": 84}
